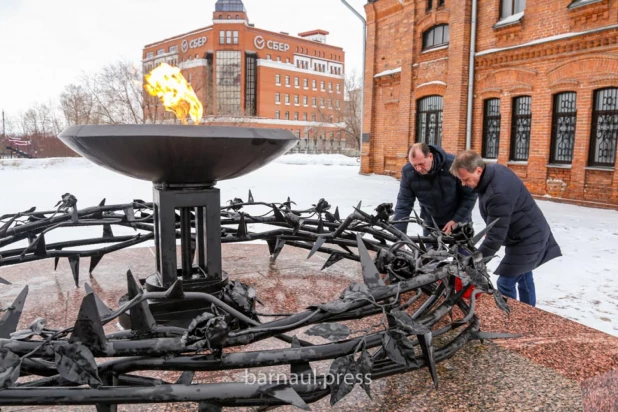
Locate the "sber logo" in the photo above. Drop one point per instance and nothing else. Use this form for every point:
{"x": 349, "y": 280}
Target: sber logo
{"x": 259, "y": 42}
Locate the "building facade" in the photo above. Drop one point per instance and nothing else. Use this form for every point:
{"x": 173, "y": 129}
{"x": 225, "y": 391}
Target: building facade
{"x": 256, "y": 78}
{"x": 544, "y": 89}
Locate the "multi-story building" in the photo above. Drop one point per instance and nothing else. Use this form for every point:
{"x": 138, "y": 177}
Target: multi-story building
{"x": 544, "y": 84}
{"x": 248, "y": 76}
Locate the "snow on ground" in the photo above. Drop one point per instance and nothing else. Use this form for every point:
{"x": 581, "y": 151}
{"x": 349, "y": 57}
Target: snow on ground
{"x": 580, "y": 286}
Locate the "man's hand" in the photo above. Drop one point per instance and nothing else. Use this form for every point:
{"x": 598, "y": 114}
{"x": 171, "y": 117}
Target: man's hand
{"x": 448, "y": 228}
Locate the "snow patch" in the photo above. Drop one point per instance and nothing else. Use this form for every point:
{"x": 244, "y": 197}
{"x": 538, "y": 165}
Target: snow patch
{"x": 581, "y": 285}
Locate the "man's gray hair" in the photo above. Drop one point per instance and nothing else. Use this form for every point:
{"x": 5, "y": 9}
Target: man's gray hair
{"x": 416, "y": 147}
{"x": 468, "y": 160}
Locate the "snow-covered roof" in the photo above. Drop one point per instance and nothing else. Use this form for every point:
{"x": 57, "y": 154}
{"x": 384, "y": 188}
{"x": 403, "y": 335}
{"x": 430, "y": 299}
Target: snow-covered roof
{"x": 510, "y": 19}
{"x": 432, "y": 82}
{"x": 387, "y": 72}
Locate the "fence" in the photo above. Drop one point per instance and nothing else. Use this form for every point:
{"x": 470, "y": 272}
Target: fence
{"x": 323, "y": 146}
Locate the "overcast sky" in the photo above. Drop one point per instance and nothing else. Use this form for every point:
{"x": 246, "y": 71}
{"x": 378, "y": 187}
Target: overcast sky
{"x": 47, "y": 44}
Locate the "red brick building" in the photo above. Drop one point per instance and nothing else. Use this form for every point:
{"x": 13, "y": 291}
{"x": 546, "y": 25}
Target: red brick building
{"x": 253, "y": 77}
{"x": 545, "y": 89}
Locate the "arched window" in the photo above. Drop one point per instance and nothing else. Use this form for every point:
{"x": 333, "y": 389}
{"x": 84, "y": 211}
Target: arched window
{"x": 604, "y": 128}
{"x": 563, "y": 128}
{"x": 491, "y": 128}
{"x": 520, "y": 128}
{"x": 436, "y": 36}
{"x": 429, "y": 120}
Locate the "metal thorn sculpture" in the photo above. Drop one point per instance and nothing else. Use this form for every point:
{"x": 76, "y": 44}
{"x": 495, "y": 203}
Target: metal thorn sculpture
{"x": 62, "y": 364}
{"x": 194, "y": 318}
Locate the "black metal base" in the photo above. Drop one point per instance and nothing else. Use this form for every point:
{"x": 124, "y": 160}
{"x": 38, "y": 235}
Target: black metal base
{"x": 178, "y": 312}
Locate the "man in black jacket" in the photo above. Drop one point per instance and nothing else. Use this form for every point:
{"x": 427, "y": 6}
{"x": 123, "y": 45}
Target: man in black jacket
{"x": 521, "y": 226}
{"x": 428, "y": 179}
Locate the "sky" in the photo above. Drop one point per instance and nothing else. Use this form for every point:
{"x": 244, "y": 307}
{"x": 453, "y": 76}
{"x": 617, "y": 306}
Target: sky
{"x": 47, "y": 45}
{"x": 581, "y": 285}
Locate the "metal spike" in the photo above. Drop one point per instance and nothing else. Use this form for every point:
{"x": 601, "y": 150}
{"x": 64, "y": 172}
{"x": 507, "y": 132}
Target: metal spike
{"x": 107, "y": 231}
{"x": 4, "y": 281}
{"x": 141, "y": 317}
{"x": 8, "y": 323}
{"x": 40, "y": 249}
{"x": 426, "y": 343}
{"x": 359, "y": 204}
{"x": 102, "y": 202}
{"x": 74, "y": 263}
{"x": 272, "y": 243}
{"x": 102, "y": 308}
{"x": 288, "y": 395}
{"x": 320, "y": 225}
{"x": 371, "y": 275}
{"x": 435, "y": 225}
{"x": 482, "y": 233}
{"x": 318, "y": 243}
{"x": 250, "y": 199}
{"x": 56, "y": 260}
{"x": 337, "y": 214}
{"x": 278, "y": 247}
{"x": 242, "y": 227}
{"x": 278, "y": 214}
{"x": 175, "y": 291}
{"x": 299, "y": 226}
{"x": 94, "y": 261}
{"x": 88, "y": 328}
{"x": 186, "y": 378}
{"x": 364, "y": 214}
{"x": 332, "y": 259}
{"x": 418, "y": 219}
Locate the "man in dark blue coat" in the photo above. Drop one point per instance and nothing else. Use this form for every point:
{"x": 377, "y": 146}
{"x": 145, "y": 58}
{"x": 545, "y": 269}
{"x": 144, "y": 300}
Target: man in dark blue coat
{"x": 521, "y": 226}
{"x": 428, "y": 179}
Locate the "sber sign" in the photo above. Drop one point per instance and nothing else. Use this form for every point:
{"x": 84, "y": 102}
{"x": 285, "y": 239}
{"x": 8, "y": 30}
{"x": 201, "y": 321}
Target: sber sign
{"x": 270, "y": 44}
{"x": 200, "y": 41}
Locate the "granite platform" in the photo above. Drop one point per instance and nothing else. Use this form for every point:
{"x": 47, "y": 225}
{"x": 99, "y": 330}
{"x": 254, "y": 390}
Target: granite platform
{"x": 556, "y": 364}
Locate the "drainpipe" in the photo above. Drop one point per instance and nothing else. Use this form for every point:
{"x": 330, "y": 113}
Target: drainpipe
{"x": 471, "y": 77}
{"x": 362, "y": 94}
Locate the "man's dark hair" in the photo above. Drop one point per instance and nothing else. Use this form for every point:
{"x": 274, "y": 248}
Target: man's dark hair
{"x": 468, "y": 160}
{"x": 423, "y": 147}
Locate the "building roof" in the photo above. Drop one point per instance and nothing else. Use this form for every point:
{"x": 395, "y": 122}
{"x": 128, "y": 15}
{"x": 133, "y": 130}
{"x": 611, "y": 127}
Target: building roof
{"x": 312, "y": 32}
{"x": 230, "y": 5}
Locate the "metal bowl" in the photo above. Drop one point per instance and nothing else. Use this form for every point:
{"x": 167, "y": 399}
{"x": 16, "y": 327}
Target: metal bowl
{"x": 178, "y": 154}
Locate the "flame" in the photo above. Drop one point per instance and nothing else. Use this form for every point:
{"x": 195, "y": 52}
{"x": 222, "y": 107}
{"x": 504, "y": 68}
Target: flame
{"x": 176, "y": 94}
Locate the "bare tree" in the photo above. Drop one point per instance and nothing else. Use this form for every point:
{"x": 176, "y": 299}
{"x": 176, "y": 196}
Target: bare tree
{"x": 116, "y": 93}
{"x": 77, "y": 105}
{"x": 352, "y": 110}
{"x": 342, "y": 117}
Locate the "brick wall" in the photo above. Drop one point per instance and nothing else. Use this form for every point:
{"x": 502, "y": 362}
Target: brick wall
{"x": 551, "y": 49}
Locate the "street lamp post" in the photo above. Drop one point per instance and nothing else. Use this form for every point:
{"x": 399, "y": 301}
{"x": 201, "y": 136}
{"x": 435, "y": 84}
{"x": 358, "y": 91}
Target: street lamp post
{"x": 362, "y": 95}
